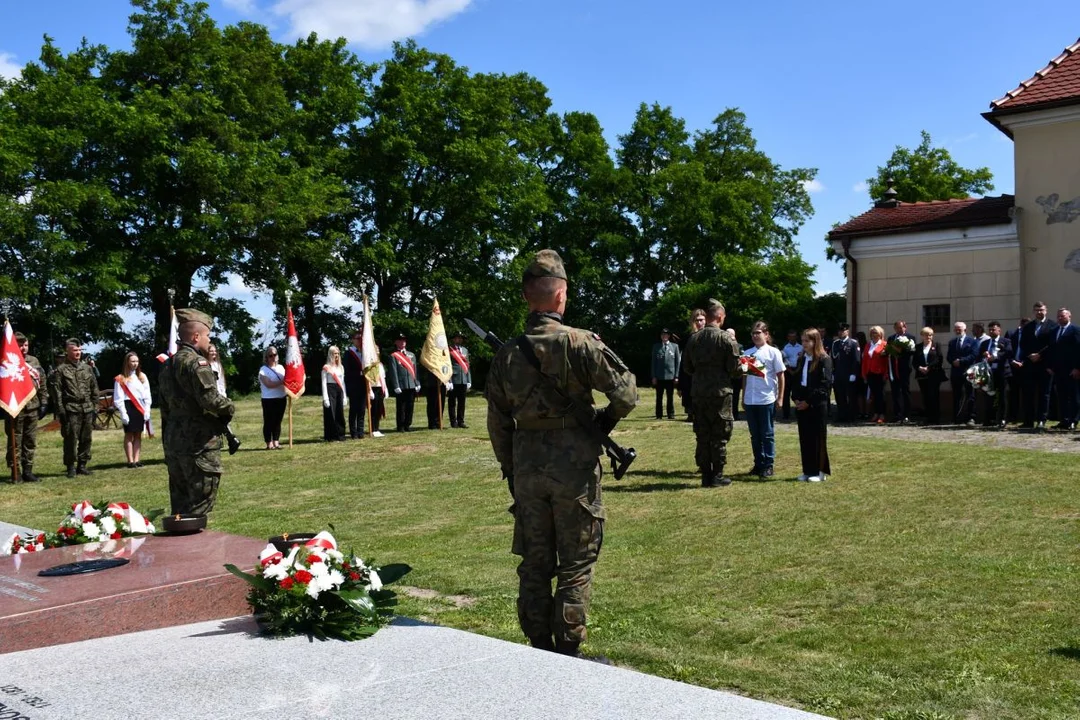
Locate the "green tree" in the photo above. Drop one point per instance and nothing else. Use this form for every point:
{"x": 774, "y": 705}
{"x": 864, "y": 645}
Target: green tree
{"x": 928, "y": 173}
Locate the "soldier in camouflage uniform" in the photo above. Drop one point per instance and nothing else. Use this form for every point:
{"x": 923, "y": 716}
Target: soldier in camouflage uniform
{"x": 712, "y": 357}
{"x": 193, "y": 416}
{"x": 25, "y": 424}
{"x": 550, "y": 461}
{"x": 74, "y": 393}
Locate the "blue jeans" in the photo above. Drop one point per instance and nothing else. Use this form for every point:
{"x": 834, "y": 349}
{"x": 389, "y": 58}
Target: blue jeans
{"x": 759, "y": 419}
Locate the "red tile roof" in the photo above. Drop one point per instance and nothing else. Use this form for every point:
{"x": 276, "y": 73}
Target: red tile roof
{"x": 920, "y": 216}
{"x": 1057, "y": 83}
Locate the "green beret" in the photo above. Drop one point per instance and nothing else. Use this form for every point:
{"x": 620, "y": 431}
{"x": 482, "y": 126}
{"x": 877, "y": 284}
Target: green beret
{"x": 547, "y": 263}
{"x": 714, "y": 306}
{"x": 189, "y": 315}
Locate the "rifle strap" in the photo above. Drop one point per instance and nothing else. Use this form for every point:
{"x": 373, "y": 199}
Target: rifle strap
{"x": 584, "y": 415}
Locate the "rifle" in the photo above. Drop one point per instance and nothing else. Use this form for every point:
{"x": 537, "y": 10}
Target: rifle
{"x": 621, "y": 458}
{"x": 232, "y": 440}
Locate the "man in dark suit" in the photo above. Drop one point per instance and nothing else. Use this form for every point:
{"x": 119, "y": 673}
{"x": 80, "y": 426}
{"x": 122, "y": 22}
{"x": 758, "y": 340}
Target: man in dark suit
{"x": 1017, "y": 371}
{"x": 847, "y": 359}
{"x": 998, "y": 353}
{"x": 961, "y": 355}
{"x": 1063, "y": 359}
{"x": 1035, "y": 394}
{"x": 666, "y": 360}
{"x": 356, "y": 386}
{"x": 900, "y": 373}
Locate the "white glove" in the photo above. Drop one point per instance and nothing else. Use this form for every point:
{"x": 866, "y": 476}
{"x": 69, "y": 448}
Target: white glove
{"x": 397, "y": 391}
{"x": 468, "y": 386}
{"x": 851, "y": 379}
{"x": 449, "y": 387}
{"x": 371, "y": 395}
{"x": 345, "y": 403}
{"x": 326, "y": 403}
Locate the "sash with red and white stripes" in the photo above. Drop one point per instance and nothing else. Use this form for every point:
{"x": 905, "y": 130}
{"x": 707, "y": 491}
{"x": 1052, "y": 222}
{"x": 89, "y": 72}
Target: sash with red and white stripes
{"x": 460, "y": 359}
{"x": 404, "y": 361}
{"x": 130, "y": 396}
{"x": 326, "y": 368}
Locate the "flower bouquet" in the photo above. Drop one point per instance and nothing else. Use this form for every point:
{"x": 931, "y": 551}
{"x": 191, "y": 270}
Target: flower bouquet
{"x": 899, "y": 345}
{"x": 750, "y": 365}
{"x": 315, "y": 590}
{"x": 86, "y": 524}
{"x": 981, "y": 378}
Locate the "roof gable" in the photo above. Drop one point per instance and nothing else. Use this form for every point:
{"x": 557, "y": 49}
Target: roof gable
{"x": 921, "y": 216}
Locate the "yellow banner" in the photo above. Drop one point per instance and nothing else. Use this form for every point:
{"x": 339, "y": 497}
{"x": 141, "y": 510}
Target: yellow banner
{"x": 435, "y": 355}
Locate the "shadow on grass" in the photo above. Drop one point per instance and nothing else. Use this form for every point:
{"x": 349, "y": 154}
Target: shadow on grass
{"x": 649, "y": 487}
{"x": 1069, "y": 653}
{"x": 117, "y": 466}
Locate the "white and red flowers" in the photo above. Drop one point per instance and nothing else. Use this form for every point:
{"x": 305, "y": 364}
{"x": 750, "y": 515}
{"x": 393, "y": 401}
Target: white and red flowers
{"x": 750, "y": 365}
{"x": 316, "y": 567}
{"x": 84, "y": 524}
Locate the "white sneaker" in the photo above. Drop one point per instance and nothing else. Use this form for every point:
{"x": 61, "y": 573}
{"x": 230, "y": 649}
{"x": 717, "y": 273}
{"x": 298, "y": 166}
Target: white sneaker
{"x": 818, "y": 478}
{"x": 377, "y": 434}
{"x": 803, "y": 478}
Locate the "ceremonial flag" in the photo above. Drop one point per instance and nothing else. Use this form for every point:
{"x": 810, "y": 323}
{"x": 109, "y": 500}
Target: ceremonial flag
{"x": 174, "y": 332}
{"x": 435, "y": 356}
{"x": 369, "y": 351}
{"x": 16, "y": 377}
{"x": 294, "y": 362}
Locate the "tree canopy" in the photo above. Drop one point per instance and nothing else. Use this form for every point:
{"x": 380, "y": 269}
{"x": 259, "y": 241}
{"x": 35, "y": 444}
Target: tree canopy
{"x": 928, "y": 173}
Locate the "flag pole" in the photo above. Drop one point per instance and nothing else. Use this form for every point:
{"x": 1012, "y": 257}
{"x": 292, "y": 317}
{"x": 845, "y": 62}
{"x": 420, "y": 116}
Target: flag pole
{"x": 11, "y": 423}
{"x": 440, "y": 405}
{"x": 288, "y": 309}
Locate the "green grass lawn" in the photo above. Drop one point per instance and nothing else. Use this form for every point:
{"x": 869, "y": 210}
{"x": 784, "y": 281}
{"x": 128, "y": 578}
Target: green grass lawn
{"x": 902, "y": 588}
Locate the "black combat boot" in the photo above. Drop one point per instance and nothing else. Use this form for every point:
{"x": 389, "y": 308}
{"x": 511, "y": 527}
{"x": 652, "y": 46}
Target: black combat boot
{"x": 719, "y": 478}
{"x": 28, "y": 474}
{"x": 570, "y": 649}
{"x": 71, "y": 471}
{"x": 706, "y": 476}
{"x": 543, "y": 642}
{"x": 83, "y": 470}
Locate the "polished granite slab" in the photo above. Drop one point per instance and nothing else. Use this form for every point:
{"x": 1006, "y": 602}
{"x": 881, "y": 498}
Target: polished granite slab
{"x": 169, "y": 580}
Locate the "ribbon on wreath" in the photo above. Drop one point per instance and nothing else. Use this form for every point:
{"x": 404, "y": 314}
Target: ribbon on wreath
{"x": 752, "y": 366}
{"x": 84, "y": 511}
{"x": 323, "y": 540}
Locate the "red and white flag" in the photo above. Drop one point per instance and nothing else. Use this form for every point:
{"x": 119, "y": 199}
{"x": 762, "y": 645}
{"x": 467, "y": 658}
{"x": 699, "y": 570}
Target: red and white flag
{"x": 294, "y": 362}
{"x": 16, "y": 377}
{"x": 174, "y": 332}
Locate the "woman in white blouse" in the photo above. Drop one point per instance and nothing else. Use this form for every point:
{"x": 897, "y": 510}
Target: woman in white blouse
{"x": 219, "y": 371}
{"x": 131, "y": 396}
{"x": 334, "y": 398}
{"x": 272, "y": 385}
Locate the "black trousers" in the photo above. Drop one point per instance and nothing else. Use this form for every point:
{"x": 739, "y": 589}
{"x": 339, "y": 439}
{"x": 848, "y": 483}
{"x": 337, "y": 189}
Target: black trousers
{"x": 813, "y": 439}
{"x": 404, "y": 409}
{"x": 876, "y": 383}
{"x": 789, "y": 380}
{"x": 334, "y": 416}
{"x": 273, "y": 411}
{"x": 931, "y": 397}
{"x": 434, "y": 406}
{"x": 358, "y": 410}
{"x": 995, "y": 407}
{"x": 1015, "y": 383}
{"x": 1035, "y": 396}
{"x": 963, "y": 400}
{"x": 846, "y": 393}
{"x": 457, "y": 405}
{"x": 665, "y": 387}
{"x": 901, "y": 397}
{"x": 1065, "y": 387}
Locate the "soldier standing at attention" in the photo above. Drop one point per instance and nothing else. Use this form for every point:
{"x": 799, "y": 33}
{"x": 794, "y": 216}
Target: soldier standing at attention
{"x": 25, "y": 424}
{"x": 666, "y": 358}
{"x": 403, "y": 383}
{"x": 461, "y": 381}
{"x": 74, "y": 389}
{"x": 712, "y": 357}
{"x": 550, "y": 461}
{"x": 195, "y": 415}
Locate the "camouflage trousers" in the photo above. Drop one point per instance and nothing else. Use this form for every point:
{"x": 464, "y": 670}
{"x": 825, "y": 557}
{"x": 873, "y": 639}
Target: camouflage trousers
{"x": 713, "y": 422}
{"x": 558, "y": 531}
{"x": 25, "y": 426}
{"x": 193, "y": 481}
{"x": 77, "y": 429}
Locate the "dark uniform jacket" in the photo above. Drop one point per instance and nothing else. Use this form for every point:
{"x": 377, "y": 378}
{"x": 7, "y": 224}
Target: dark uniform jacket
{"x": 73, "y": 389}
{"x": 846, "y": 357}
{"x": 194, "y": 409}
{"x": 460, "y": 376}
{"x": 666, "y": 359}
{"x": 712, "y": 357}
{"x": 399, "y": 376}
{"x": 355, "y": 382}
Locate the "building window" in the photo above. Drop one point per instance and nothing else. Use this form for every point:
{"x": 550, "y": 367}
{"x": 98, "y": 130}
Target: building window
{"x": 937, "y": 317}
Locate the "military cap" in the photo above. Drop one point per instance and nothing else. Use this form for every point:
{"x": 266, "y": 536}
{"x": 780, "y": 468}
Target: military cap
{"x": 189, "y": 315}
{"x": 714, "y": 306}
{"x": 547, "y": 263}
{"x": 665, "y": 331}
{"x": 401, "y": 336}
{"x": 458, "y": 334}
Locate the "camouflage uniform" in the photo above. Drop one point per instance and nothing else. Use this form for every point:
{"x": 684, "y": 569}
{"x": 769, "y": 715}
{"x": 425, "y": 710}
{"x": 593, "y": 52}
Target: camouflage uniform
{"x": 193, "y": 415}
{"x": 74, "y": 393}
{"x": 25, "y": 424}
{"x": 711, "y": 357}
{"x": 553, "y": 464}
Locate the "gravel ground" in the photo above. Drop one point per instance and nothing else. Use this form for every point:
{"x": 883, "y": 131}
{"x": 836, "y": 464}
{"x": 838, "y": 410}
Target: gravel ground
{"x": 1058, "y": 441}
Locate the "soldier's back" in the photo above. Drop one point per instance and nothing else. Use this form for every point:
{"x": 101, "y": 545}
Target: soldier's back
{"x": 713, "y": 356}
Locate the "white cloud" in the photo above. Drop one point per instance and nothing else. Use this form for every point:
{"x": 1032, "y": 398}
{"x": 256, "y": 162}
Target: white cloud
{"x": 235, "y": 288}
{"x": 244, "y": 7}
{"x": 813, "y": 186}
{"x": 336, "y": 299}
{"x": 9, "y": 69}
{"x": 371, "y": 24}
{"x": 860, "y": 187}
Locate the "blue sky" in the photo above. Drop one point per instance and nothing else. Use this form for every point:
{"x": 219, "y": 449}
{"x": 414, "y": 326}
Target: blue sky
{"x": 833, "y": 85}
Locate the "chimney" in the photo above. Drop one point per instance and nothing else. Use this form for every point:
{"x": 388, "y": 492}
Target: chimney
{"x": 888, "y": 200}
